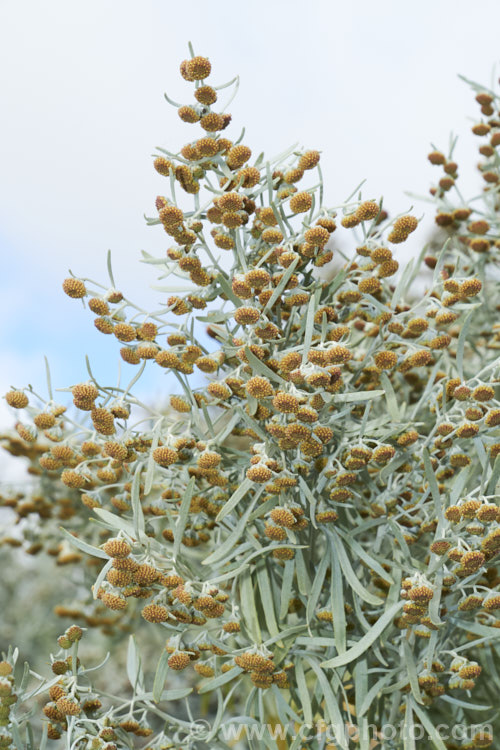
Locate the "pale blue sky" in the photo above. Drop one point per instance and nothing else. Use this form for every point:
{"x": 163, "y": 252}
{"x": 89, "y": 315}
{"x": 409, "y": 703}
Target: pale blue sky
{"x": 368, "y": 84}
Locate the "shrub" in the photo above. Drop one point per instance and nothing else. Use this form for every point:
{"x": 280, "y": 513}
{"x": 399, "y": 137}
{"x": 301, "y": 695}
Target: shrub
{"x": 311, "y": 524}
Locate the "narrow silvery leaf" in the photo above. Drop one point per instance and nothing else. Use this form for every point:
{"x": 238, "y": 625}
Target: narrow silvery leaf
{"x": 366, "y": 641}
{"x": 182, "y": 517}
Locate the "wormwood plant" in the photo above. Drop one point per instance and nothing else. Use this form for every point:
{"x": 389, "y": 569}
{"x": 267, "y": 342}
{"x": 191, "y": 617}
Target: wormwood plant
{"x": 311, "y": 526}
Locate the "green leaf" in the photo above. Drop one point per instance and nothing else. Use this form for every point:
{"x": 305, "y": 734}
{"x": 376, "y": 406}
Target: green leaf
{"x": 311, "y": 498}
{"x": 252, "y": 424}
{"x": 43, "y": 740}
{"x": 475, "y": 627}
{"x": 431, "y": 478}
{"x": 309, "y": 327}
{"x": 409, "y": 728}
{"x": 100, "y": 578}
{"x": 460, "y": 483}
{"x": 396, "y": 529}
{"x": 351, "y": 576}
{"x": 366, "y": 641}
{"x": 297, "y": 742}
{"x": 228, "y": 291}
{"x": 372, "y": 693}
{"x": 303, "y": 580}
{"x": 171, "y": 288}
{"x": 461, "y": 344}
{"x": 224, "y": 432}
{"x": 282, "y": 284}
{"x": 168, "y": 695}
{"x": 495, "y": 475}
{"x": 431, "y": 730}
{"x": 360, "y": 679}
{"x": 317, "y": 587}
{"x": 151, "y": 465}
{"x": 17, "y": 737}
{"x": 147, "y": 257}
{"x": 48, "y": 378}
{"x": 248, "y": 608}
{"x": 261, "y": 368}
{"x": 363, "y": 555}
{"x": 338, "y": 606}
{"x": 213, "y": 684}
{"x": 285, "y": 710}
{"x": 208, "y": 421}
{"x": 110, "y": 268}
{"x": 139, "y": 524}
{"x": 83, "y": 546}
{"x": 134, "y": 379}
{"x": 116, "y": 522}
{"x": 402, "y": 284}
{"x": 332, "y": 707}
{"x": 42, "y": 688}
{"x": 412, "y": 671}
{"x": 217, "y": 720}
{"x": 336, "y": 282}
{"x": 269, "y": 181}
{"x": 182, "y": 518}
{"x": 235, "y": 498}
{"x": 390, "y": 395}
{"x": 480, "y": 452}
{"x": 25, "y": 677}
{"x": 286, "y": 587}
{"x": 230, "y": 542}
{"x": 266, "y": 597}
{"x": 289, "y": 633}
{"x": 354, "y": 396}
{"x": 431, "y": 379}
{"x": 263, "y": 508}
{"x": 215, "y": 316}
{"x": 133, "y": 663}
{"x": 303, "y": 691}
{"x": 435, "y": 604}
{"x": 390, "y": 468}
{"x": 465, "y": 704}
{"x": 316, "y": 641}
{"x": 160, "y": 676}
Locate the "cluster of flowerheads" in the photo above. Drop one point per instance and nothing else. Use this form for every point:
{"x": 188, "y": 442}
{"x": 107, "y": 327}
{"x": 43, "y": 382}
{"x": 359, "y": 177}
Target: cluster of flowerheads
{"x": 75, "y": 710}
{"x": 8, "y": 699}
{"x": 332, "y": 460}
